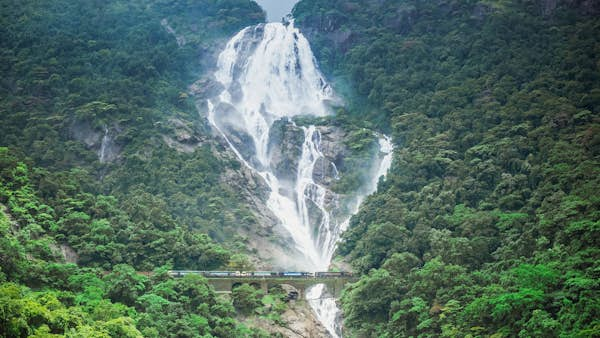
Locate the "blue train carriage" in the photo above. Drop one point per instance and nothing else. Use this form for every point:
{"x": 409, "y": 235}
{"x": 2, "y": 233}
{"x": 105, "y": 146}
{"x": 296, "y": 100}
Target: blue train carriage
{"x": 296, "y": 274}
{"x": 334, "y": 274}
{"x": 182, "y": 273}
{"x": 264, "y": 274}
{"x": 220, "y": 273}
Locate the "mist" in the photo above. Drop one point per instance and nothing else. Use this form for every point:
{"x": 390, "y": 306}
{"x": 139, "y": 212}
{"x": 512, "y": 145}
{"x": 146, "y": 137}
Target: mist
{"x": 276, "y": 9}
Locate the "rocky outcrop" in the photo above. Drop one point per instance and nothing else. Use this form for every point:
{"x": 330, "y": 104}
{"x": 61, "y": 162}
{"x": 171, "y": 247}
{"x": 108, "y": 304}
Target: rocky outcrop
{"x": 285, "y": 148}
{"x": 181, "y": 135}
{"x": 68, "y": 254}
{"x": 205, "y": 88}
{"x": 270, "y": 243}
{"x": 103, "y": 141}
{"x": 298, "y": 322}
{"x": 109, "y": 148}
{"x": 328, "y": 26}
{"x": 83, "y": 132}
{"x": 334, "y": 151}
{"x": 181, "y": 40}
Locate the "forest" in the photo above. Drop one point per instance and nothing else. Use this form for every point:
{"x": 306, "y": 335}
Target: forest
{"x": 487, "y": 225}
{"x": 80, "y": 68}
{"x": 488, "y": 222}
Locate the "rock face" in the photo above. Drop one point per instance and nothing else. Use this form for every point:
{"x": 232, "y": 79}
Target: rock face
{"x": 181, "y": 135}
{"x": 271, "y": 244}
{"x": 181, "y": 40}
{"x": 68, "y": 254}
{"x": 109, "y": 149}
{"x": 298, "y": 322}
{"x": 285, "y": 148}
{"x": 83, "y": 132}
{"x": 334, "y": 151}
{"x": 268, "y": 240}
{"x": 205, "y": 87}
{"x": 328, "y": 26}
{"x": 102, "y": 141}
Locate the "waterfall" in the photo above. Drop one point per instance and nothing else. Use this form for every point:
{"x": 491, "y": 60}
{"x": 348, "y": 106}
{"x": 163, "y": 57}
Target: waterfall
{"x": 102, "y": 153}
{"x": 269, "y": 74}
{"x": 324, "y": 305}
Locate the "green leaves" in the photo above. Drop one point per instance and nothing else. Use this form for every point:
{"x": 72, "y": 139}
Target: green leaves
{"x": 246, "y": 298}
{"x": 368, "y": 300}
{"x": 125, "y": 285}
{"x": 539, "y": 277}
{"x": 494, "y": 191}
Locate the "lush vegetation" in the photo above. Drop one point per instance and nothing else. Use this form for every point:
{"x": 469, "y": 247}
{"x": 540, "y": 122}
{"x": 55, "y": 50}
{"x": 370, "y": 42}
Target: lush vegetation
{"x": 488, "y": 223}
{"x": 42, "y": 296}
{"x": 73, "y": 72}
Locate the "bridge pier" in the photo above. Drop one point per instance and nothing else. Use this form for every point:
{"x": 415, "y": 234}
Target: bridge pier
{"x": 264, "y": 286}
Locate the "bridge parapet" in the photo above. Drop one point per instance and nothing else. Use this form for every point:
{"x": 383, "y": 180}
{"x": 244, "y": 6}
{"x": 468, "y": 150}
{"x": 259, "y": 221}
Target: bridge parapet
{"x": 335, "y": 282}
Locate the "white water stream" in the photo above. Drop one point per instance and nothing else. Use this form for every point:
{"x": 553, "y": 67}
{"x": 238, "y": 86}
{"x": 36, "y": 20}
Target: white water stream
{"x": 269, "y": 73}
{"x": 102, "y": 155}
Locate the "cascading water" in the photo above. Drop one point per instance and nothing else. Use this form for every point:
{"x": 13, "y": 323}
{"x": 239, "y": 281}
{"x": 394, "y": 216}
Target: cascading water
{"x": 102, "y": 155}
{"x": 269, "y": 74}
{"x": 324, "y": 305}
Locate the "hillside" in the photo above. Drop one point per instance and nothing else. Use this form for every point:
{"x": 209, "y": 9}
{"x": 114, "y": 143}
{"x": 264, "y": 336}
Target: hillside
{"x": 104, "y": 163}
{"x": 487, "y": 224}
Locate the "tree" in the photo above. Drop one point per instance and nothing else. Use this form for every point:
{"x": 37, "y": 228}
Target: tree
{"x": 124, "y": 284}
{"x": 246, "y": 298}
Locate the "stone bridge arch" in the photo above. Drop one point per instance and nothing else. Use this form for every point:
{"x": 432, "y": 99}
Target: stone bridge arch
{"x": 227, "y": 284}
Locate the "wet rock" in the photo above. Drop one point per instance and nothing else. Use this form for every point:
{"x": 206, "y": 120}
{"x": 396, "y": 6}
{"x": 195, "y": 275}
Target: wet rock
{"x": 298, "y": 322}
{"x": 334, "y": 151}
{"x": 109, "y": 149}
{"x": 229, "y": 123}
{"x": 205, "y": 88}
{"x": 285, "y": 149}
{"x": 68, "y": 254}
{"x": 103, "y": 141}
{"x": 83, "y": 132}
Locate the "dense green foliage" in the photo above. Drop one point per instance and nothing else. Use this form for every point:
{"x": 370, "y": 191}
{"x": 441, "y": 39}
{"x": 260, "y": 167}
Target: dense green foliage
{"x": 52, "y": 210}
{"x": 71, "y": 72}
{"x": 119, "y": 304}
{"x": 487, "y": 224}
{"x": 42, "y": 295}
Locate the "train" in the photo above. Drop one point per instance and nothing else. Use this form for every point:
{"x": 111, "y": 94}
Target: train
{"x": 261, "y": 274}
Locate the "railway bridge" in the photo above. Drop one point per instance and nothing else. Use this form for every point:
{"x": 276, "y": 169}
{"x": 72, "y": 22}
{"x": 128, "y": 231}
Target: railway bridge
{"x": 225, "y": 282}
